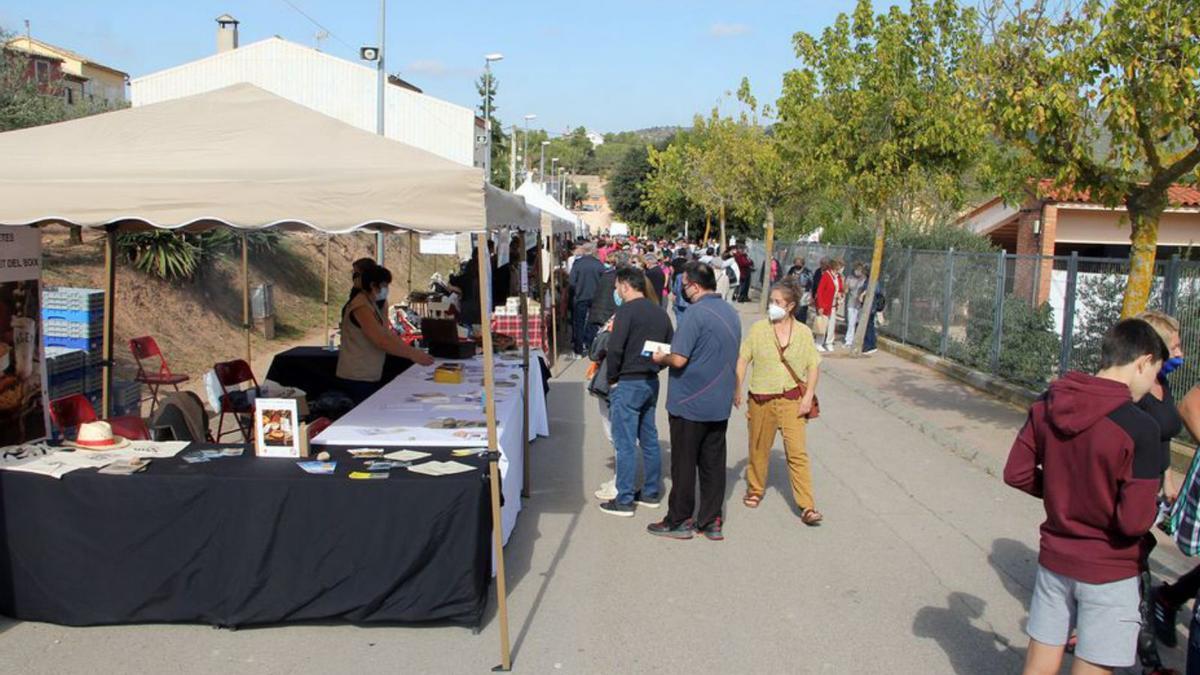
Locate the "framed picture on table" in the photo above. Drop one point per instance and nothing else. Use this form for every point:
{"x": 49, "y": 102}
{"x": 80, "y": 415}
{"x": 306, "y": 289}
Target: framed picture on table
{"x": 277, "y": 428}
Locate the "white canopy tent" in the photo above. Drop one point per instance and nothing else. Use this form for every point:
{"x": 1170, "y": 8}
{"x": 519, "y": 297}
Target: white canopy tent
{"x": 535, "y": 194}
{"x": 244, "y": 158}
{"x": 241, "y": 157}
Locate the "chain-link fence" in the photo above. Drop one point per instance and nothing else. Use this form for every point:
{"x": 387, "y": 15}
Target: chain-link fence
{"x": 1023, "y": 318}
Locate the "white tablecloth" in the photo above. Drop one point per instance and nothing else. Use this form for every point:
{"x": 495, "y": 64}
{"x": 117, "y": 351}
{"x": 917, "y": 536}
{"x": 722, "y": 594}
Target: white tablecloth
{"x": 398, "y": 414}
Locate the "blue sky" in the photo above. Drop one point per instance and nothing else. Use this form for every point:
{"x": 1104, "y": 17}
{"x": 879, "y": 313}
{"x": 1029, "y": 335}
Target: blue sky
{"x": 622, "y": 65}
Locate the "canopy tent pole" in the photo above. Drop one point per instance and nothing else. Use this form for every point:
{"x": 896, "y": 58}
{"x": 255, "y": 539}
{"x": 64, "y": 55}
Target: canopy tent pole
{"x": 410, "y": 261}
{"x": 523, "y": 271}
{"x": 553, "y": 308}
{"x": 493, "y": 454}
{"x": 110, "y": 287}
{"x": 246, "y": 293}
{"x": 328, "y": 243}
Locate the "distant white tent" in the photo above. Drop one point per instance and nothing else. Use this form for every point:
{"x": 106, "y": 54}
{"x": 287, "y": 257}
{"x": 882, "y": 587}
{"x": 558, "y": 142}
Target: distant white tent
{"x": 535, "y": 195}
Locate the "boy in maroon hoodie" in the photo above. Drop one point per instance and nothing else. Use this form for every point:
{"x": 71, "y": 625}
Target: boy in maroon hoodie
{"x": 1092, "y": 456}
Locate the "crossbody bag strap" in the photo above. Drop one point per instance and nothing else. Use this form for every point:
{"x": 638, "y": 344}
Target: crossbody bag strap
{"x": 783, "y": 359}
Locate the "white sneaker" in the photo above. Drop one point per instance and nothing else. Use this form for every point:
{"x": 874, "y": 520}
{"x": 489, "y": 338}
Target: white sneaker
{"x": 821, "y": 348}
{"x": 607, "y": 491}
{"x": 870, "y": 351}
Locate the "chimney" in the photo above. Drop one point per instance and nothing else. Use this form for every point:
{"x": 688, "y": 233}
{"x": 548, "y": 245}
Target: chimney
{"x": 227, "y": 33}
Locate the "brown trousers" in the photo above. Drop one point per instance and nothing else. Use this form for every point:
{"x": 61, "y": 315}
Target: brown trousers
{"x": 765, "y": 420}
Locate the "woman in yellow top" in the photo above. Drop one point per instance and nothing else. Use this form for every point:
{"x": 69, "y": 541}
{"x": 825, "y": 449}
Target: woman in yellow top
{"x": 777, "y": 402}
{"x": 367, "y": 338}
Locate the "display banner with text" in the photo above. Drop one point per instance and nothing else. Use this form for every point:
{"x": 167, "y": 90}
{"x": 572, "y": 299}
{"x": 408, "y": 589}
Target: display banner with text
{"x": 23, "y": 410}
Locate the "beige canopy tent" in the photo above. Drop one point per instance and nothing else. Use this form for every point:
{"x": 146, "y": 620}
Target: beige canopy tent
{"x": 244, "y": 158}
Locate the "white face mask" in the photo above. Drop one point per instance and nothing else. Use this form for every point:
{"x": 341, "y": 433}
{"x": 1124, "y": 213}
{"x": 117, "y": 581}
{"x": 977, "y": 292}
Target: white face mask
{"x": 775, "y": 312}
{"x": 382, "y": 294}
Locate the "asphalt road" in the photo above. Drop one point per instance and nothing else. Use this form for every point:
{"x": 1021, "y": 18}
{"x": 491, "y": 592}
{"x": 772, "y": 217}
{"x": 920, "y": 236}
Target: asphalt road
{"x": 924, "y": 564}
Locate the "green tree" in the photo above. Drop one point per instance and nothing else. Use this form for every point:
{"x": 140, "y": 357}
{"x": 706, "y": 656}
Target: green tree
{"x": 23, "y": 104}
{"x": 487, "y": 88}
{"x": 1106, "y": 95}
{"x": 626, "y": 189}
{"x": 876, "y": 110}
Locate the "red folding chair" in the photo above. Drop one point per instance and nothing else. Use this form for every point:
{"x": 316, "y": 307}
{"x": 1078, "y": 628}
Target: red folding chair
{"x": 71, "y": 411}
{"x": 232, "y": 375}
{"x": 145, "y": 348}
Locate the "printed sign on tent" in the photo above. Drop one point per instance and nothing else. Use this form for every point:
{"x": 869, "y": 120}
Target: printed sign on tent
{"x": 439, "y": 244}
{"x": 23, "y": 409}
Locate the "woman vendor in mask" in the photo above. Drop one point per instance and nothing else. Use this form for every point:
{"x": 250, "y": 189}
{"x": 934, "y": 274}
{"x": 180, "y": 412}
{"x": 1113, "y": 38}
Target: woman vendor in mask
{"x": 367, "y": 338}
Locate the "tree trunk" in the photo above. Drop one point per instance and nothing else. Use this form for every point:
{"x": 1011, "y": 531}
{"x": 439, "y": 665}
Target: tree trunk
{"x": 724, "y": 241}
{"x": 1143, "y": 244}
{"x": 766, "y": 290}
{"x": 872, "y": 283}
{"x": 76, "y": 235}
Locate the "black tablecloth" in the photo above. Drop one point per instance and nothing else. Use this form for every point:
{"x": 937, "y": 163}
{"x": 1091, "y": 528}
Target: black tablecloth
{"x": 240, "y": 540}
{"x": 314, "y": 369}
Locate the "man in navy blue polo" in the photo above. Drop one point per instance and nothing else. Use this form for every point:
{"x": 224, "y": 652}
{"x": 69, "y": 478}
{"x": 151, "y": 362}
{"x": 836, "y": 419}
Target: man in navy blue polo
{"x": 703, "y": 376}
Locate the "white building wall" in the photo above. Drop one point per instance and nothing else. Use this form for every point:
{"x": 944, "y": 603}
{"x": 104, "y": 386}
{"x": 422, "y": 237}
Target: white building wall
{"x": 325, "y": 83}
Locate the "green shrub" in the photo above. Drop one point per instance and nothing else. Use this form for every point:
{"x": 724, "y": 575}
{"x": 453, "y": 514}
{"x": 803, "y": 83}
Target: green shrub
{"x": 1029, "y": 346}
{"x": 164, "y": 254}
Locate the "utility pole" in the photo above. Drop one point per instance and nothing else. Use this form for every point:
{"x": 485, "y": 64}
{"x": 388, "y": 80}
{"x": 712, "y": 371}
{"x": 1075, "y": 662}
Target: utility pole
{"x": 525, "y": 151}
{"x": 379, "y": 104}
{"x": 512, "y": 161}
{"x": 542, "y": 166}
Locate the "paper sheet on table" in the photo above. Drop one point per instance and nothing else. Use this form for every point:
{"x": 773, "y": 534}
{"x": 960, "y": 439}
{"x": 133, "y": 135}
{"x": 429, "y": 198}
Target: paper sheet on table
{"x": 48, "y": 465}
{"x": 406, "y": 455}
{"x": 158, "y": 449}
{"x": 440, "y": 468}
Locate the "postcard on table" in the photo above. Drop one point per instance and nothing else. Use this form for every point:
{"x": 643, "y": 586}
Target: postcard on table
{"x": 157, "y": 449}
{"x": 126, "y": 467}
{"x": 407, "y": 455}
{"x": 277, "y": 428}
{"x": 318, "y": 468}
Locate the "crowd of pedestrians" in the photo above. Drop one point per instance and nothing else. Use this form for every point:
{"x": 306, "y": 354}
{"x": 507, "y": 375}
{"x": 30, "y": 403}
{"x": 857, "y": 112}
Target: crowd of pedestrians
{"x": 645, "y": 307}
{"x": 1095, "y": 448}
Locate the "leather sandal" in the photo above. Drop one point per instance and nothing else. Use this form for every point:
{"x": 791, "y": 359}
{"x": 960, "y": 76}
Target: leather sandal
{"x": 811, "y": 517}
{"x": 752, "y": 500}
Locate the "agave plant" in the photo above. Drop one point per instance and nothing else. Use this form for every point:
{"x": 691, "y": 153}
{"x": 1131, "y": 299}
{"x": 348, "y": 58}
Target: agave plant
{"x": 167, "y": 255}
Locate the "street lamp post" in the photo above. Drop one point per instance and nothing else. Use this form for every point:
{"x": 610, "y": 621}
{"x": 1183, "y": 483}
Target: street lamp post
{"x": 553, "y": 175}
{"x": 525, "y": 150}
{"x": 562, "y": 186}
{"x": 542, "y": 164}
{"x": 487, "y": 114}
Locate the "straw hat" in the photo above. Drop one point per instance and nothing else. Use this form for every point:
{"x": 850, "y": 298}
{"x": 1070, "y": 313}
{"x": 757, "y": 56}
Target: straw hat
{"x": 97, "y": 436}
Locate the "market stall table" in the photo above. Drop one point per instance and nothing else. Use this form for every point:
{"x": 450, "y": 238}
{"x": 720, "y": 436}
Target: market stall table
{"x": 404, "y": 411}
{"x": 314, "y": 369}
{"x": 243, "y": 540}
{"x": 510, "y": 325}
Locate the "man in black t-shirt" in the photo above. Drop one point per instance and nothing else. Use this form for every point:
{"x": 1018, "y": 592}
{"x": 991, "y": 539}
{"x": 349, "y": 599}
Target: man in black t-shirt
{"x": 633, "y": 392}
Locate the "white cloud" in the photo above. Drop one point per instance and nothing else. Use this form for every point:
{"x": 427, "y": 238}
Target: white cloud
{"x": 431, "y": 67}
{"x": 727, "y": 30}
{"x": 436, "y": 68}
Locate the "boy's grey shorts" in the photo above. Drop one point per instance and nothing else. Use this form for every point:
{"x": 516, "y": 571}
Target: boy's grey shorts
{"x": 1105, "y": 617}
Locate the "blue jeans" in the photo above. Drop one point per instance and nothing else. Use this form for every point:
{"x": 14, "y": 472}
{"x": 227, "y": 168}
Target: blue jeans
{"x": 631, "y": 406}
{"x": 579, "y": 327}
{"x": 869, "y": 338}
